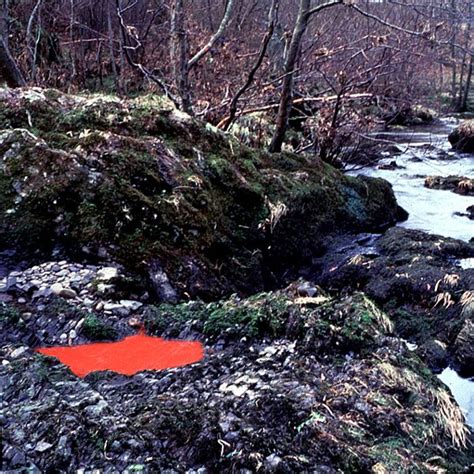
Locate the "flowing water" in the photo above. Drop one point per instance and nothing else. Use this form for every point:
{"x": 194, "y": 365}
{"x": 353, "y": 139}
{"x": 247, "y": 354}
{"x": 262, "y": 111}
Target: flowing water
{"x": 418, "y": 153}
{"x": 427, "y": 152}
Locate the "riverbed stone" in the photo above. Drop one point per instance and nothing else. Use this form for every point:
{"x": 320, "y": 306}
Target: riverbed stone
{"x": 458, "y": 184}
{"x": 464, "y": 348}
{"x": 462, "y": 137}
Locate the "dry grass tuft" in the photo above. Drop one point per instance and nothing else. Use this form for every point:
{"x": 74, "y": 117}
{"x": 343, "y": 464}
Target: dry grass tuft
{"x": 443, "y": 299}
{"x": 451, "y": 418}
{"x": 277, "y": 211}
{"x": 380, "y": 316}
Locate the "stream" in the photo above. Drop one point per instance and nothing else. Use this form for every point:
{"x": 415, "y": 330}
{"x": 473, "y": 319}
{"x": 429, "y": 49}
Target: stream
{"x": 418, "y": 153}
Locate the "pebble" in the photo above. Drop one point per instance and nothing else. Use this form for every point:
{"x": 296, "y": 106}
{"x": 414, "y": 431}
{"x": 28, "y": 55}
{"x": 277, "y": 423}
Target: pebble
{"x": 107, "y": 273}
{"x": 42, "y": 446}
{"x": 68, "y": 293}
{"x": 18, "y": 352}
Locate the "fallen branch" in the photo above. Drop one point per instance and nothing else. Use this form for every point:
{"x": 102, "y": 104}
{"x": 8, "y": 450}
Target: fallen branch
{"x": 303, "y": 100}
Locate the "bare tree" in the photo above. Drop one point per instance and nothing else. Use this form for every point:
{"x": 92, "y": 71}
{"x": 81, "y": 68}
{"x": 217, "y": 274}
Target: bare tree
{"x": 9, "y": 70}
{"x": 304, "y": 15}
{"x": 179, "y": 56}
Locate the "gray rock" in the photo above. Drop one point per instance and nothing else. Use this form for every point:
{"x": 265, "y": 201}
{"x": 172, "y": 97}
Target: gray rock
{"x": 273, "y": 462}
{"x": 464, "y": 348}
{"x": 435, "y": 354}
{"x": 43, "y": 446}
{"x": 68, "y": 293}
{"x": 107, "y": 273}
{"x": 161, "y": 284}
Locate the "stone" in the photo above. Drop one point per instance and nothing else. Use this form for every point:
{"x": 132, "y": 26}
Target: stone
{"x": 43, "y": 446}
{"x": 306, "y": 289}
{"x": 464, "y": 348}
{"x": 161, "y": 284}
{"x": 435, "y": 354}
{"x": 26, "y": 316}
{"x": 273, "y": 462}
{"x": 56, "y": 288}
{"x": 18, "y": 352}
{"x": 462, "y": 137}
{"x": 68, "y": 293}
{"x": 131, "y": 305}
{"x": 107, "y": 273}
{"x": 458, "y": 184}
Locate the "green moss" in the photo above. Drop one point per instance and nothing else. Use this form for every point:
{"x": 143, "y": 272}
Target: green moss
{"x": 264, "y": 314}
{"x": 9, "y": 314}
{"x": 96, "y": 330}
{"x": 136, "y": 178}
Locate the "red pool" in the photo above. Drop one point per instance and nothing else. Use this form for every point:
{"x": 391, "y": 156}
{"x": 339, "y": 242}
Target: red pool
{"x": 129, "y": 356}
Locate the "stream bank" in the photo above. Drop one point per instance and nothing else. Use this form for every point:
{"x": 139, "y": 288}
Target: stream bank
{"x": 139, "y": 204}
{"x": 422, "y": 277}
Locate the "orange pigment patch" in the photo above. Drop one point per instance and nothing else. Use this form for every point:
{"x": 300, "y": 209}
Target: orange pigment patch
{"x": 129, "y": 356}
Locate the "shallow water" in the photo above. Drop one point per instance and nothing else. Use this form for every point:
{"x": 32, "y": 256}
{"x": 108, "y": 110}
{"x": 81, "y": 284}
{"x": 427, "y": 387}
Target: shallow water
{"x": 427, "y": 152}
{"x": 128, "y": 356}
{"x": 463, "y": 392}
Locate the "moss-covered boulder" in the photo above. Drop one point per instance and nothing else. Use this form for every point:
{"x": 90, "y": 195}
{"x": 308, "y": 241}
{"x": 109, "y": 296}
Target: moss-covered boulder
{"x": 462, "y": 137}
{"x": 417, "y": 279}
{"x": 192, "y": 210}
{"x": 289, "y": 383}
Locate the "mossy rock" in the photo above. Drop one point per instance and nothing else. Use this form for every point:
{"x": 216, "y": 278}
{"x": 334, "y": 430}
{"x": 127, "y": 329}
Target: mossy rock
{"x": 462, "y": 137}
{"x": 143, "y": 183}
{"x": 322, "y": 325}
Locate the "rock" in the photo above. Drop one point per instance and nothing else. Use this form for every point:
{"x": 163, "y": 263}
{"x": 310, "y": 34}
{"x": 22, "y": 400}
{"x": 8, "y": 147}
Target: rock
{"x": 42, "y": 293}
{"x": 56, "y": 288}
{"x": 457, "y": 184}
{"x": 462, "y": 137}
{"x": 18, "y": 352}
{"x": 306, "y": 289}
{"x": 435, "y": 354}
{"x": 43, "y": 446}
{"x": 393, "y": 165}
{"x": 273, "y": 462}
{"x": 107, "y": 273}
{"x": 221, "y": 229}
{"x": 112, "y": 307}
{"x": 68, "y": 293}
{"x": 161, "y": 284}
{"x": 410, "y": 115}
{"x": 8, "y": 283}
{"x": 464, "y": 348}
{"x": 131, "y": 305}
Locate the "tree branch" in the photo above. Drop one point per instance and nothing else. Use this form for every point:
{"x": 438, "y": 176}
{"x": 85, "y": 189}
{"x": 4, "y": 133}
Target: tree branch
{"x": 220, "y": 31}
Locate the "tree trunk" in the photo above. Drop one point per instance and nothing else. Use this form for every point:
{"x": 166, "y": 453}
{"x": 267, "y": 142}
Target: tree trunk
{"x": 113, "y": 63}
{"x": 467, "y": 87}
{"x": 9, "y": 70}
{"x": 287, "y": 88}
{"x": 179, "y": 56}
